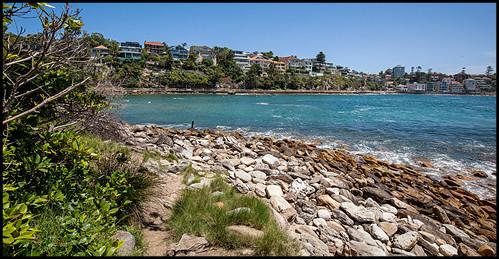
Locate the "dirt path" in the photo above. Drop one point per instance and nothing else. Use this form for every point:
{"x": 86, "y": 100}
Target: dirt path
{"x": 156, "y": 210}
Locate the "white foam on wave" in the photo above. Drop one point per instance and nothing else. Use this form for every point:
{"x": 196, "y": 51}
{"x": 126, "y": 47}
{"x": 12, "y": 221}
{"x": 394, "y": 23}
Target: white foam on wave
{"x": 262, "y": 103}
{"x": 178, "y": 98}
{"x": 276, "y": 116}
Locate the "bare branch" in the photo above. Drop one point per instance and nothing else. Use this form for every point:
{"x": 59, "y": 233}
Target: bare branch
{"x": 44, "y": 102}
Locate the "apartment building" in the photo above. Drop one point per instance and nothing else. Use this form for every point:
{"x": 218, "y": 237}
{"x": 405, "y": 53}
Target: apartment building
{"x": 155, "y": 47}
{"x": 242, "y": 59}
{"x": 130, "y": 51}
{"x": 179, "y": 52}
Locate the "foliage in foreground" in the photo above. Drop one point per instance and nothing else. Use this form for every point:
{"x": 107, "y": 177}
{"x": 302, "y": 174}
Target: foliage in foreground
{"x": 196, "y": 213}
{"x": 65, "y": 195}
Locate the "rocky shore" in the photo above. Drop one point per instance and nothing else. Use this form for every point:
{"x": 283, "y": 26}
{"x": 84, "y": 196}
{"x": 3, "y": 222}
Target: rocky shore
{"x": 333, "y": 202}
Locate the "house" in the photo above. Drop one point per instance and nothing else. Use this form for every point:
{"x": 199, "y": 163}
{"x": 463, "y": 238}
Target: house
{"x": 300, "y": 65}
{"x": 484, "y": 84}
{"x": 242, "y": 59}
{"x": 470, "y": 85}
{"x": 456, "y": 87}
{"x": 179, "y": 52}
{"x": 202, "y": 53}
{"x": 130, "y": 51}
{"x": 154, "y": 47}
{"x": 99, "y": 52}
{"x": 416, "y": 87}
{"x": 401, "y": 88}
{"x": 265, "y": 63}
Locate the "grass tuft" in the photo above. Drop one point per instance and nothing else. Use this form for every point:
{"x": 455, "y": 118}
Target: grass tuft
{"x": 195, "y": 213}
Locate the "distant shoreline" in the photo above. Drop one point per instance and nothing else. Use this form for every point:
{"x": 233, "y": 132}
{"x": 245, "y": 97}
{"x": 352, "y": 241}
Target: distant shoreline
{"x": 136, "y": 91}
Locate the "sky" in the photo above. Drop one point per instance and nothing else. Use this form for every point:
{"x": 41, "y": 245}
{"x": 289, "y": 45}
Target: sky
{"x": 365, "y": 37}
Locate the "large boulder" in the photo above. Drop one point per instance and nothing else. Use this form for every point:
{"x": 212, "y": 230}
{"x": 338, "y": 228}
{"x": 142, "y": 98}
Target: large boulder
{"x": 244, "y": 231}
{"x": 358, "y": 213}
{"x": 270, "y": 160}
{"x": 406, "y": 241}
{"x": 301, "y": 188}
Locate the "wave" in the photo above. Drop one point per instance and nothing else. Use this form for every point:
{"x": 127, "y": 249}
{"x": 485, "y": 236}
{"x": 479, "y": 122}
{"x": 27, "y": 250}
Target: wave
{"x": 178, "y": 98}
{"x": 262, "y": 103}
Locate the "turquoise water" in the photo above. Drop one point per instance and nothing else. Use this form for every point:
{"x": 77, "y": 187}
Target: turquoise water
{"x": 454, "y": 132}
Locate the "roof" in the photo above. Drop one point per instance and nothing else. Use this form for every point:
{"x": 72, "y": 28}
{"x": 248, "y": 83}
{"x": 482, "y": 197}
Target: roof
{"x": 101, "y": 47}
{"x": 154, "y": 43}
{"x": 286, "y": 59}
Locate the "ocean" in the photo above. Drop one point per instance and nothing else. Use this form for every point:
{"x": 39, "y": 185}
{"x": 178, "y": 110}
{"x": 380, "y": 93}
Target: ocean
{"x": 454, "y": 132}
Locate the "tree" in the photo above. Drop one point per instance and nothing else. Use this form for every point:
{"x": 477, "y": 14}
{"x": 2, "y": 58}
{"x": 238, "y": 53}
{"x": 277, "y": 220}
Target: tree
{"x": 268, "y": 54}
{"x": 253, "y": 76}
{"x": 489, "y": 70}
{"x": 58, "y": 50}
{"x": 321, "y": 57}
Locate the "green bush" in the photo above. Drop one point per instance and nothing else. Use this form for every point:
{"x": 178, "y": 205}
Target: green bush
{"x": 62, "y": 198}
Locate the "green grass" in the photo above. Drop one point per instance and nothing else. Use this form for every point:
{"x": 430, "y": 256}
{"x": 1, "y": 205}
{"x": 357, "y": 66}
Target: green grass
{"x": 148, "y": 154}
{"x": 195, "y": 213}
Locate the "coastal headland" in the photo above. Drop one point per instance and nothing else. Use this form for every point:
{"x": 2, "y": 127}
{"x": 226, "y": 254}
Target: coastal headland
{"x": 330, "y": 201}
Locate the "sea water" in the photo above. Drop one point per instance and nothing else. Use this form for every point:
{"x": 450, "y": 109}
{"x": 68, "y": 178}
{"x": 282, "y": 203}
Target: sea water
{"x": 454, "y": 132}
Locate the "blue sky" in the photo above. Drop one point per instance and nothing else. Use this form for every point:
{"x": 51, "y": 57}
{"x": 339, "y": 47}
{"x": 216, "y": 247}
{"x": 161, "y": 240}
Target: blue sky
{"x": 364, "y": 37}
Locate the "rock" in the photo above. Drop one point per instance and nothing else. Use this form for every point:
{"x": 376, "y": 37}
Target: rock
{"x": 281, "y": 221}
{"x": 273, "y": 190}
{"x": 427, "y": 236}
{"x": 371, "y": 203}
{"x": 480, "y": 173}
{"x": 397, "y": 251}
{"x": 377, "y": 194}
{"x": 418, "y": 251}
{"x": 342, "y": 217}
{"x": 360, "y": 235}
{"x": 324, "y": 214}
{"x": 219, "y": 204}
{"x": 378, "y": 233}
{"x": 319, "y": 222}
{"x": 360, "y": 214}
{"x": 270, "y": 160}
{"x": 387, "y": 217}
{"x": 240, "y": 186}
{"x": 447, "y": 250}
{"x": 336, "y": 226}
{"x": 402, "y": 205}
{"x": 260, "y": 189}
{"x": 245, "y": 177}
{"x": 245, "y": 231}
{"x": 258, "y": 175}
{"x": 333, "y": 182}
{"x": 247, "y": 161}
{"x": 389, "y": 228}
{"x": 456, "y": 232}
{"x": 189, "y": 243}
{"x": 328, "y": 201}
{"x": 363, "y": 249}
{"x": 431, "y": 248}
{"x": 129, "y": 242}
{"x": 486, "y": 250}
{"x": 301, "y": 188}
{"x": 389, "y": 208}
{"x": 283, "y": 207}
{"x": 406, "y": 241}
{"x": 465, "y": 250}
{"x": 441, "y": 215}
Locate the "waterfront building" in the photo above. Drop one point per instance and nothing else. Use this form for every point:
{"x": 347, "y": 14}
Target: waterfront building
{"x": 456, "y": 87}
{"x": 484, "y": 84}
{"x": 398, "y": 71}
{"x": 416, "y": 87}
{"x": 129, "y": 51}
{"x": 432, "y": 87}
{"x": 301, "y": 65}
{"x": 202, "y": 53}
{"x": 242, "y": 59}
{"x": 179, "y": 52}
{"x": 99, "y": 52}
{"x": 155, "y": 47}
{"x": 401, "y": 88}
{"x": 265, "y": 63}
{"x": 470, "y": 85}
